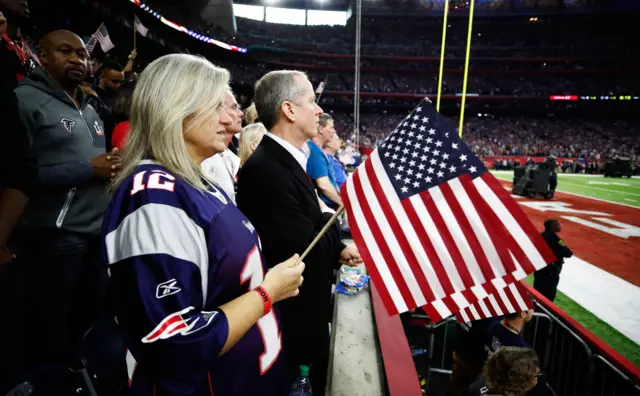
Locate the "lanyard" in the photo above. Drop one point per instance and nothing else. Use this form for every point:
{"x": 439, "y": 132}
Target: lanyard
{"x": 21, "y": 51}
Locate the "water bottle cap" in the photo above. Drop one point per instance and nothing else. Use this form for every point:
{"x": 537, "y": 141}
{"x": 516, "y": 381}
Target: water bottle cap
{"x": 304, "y": 371}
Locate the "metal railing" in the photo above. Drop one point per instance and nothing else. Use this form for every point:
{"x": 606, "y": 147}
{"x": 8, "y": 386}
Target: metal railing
{"x": 572, "y": 365}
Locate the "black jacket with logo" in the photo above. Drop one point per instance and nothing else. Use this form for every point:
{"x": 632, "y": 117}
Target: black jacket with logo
{"x": 558, "y": 247}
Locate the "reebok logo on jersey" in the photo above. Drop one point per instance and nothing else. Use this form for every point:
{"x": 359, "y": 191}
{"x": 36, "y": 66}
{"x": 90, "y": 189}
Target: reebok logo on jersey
{"x": 249, "y": 226}
{"x": 167, "y": 288}
{"x": 175, "y": 324}
{"x": 67, "y": 124}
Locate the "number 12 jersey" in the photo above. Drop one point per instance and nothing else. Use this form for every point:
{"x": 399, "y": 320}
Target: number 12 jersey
{"x": 175, "y": 255}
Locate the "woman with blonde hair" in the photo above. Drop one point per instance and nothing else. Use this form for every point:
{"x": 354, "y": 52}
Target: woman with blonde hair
{"x": 251, "y": 115}
{"x": 250, "y": 138}
{"x": 189, "y": 284}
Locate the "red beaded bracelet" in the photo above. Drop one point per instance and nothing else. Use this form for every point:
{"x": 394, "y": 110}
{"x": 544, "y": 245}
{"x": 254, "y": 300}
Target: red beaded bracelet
{"x": 265, "y": 298}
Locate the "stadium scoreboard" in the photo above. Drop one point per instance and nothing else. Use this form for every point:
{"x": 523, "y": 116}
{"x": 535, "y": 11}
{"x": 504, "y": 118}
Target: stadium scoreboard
{"x": 596, "y": 97}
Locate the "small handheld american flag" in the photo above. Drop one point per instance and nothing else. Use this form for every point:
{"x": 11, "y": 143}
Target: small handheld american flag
{"x": 434, "y": 227}
{"x": 102, "y": 35}
{"x": 139, "y": 27}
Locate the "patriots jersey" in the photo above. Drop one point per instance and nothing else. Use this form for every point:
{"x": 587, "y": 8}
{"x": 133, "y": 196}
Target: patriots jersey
{"x": 175, "y": 255}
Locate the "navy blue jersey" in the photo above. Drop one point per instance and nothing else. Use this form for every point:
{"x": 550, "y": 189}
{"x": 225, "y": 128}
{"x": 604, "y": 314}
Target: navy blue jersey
{"x": 469, "y": 341}
{"x": 175, "y": 255}
{"x": 498, "y": 336}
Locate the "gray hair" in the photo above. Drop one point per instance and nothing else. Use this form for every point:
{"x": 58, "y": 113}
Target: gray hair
{"x": 250, "y": 134}
{"x": 273, "y": 89}
{"x": 324, "y": 119}
{"x": 173, "y": 93}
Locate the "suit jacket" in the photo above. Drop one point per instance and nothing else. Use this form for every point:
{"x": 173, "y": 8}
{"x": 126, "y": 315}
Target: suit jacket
{"x": 279, "y": 199}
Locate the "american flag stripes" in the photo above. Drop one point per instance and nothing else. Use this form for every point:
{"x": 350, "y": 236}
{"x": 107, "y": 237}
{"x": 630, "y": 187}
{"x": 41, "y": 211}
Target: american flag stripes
{"x": 91, "y": 44}
{"x": 513, "y": 298}
{"x": 102, "y": 35}
{"x": 435, "y": 228}
{"x": 140, "y": 28}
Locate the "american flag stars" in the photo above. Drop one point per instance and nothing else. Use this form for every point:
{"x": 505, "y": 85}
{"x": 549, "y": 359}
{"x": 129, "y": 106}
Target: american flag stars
{"x": 425, "y": 158}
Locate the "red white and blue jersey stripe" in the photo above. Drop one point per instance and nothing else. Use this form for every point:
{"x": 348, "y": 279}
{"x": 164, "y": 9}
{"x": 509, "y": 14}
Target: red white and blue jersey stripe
{"x": 175, "y": 255}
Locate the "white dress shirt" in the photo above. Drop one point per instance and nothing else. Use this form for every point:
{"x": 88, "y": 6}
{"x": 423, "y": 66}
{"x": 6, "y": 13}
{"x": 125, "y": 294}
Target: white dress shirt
{"x": 221, "y": 169}
{"x": 297, "y": 154}
{"x": 300, "y": 158}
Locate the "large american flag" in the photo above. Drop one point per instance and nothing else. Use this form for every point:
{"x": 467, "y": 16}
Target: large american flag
{"x": 434, "y": 227}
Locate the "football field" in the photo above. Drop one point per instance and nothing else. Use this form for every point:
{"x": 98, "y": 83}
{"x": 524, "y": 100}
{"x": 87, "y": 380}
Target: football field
{"x": 600, "y": 285}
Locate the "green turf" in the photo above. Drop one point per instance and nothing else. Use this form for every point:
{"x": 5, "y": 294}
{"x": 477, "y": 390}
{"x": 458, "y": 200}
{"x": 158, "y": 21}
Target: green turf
{"x": 621, "y": 190}
{"x": 602, "y": 330}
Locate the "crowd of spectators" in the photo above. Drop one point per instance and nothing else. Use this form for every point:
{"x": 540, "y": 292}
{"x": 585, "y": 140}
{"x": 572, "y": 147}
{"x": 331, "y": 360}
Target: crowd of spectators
{"x": 523, "y": 85}
{"x": 519, "y": 136}
{"x": 552, "y": 37}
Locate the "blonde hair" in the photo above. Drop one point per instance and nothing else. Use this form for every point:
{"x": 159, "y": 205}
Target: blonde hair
{"x": 174, "y": 93}
{"x": 250, "y": 134}
{"x": 251, "y": 114}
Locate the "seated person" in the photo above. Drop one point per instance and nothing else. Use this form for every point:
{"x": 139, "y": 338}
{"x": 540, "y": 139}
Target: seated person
{"x": 511, "y": 371}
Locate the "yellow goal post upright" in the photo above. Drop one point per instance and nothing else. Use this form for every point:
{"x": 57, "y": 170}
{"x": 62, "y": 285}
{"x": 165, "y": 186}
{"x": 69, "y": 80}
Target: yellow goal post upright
{"x": 466, "y": 59}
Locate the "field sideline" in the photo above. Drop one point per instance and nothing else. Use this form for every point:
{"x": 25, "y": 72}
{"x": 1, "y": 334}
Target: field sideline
{"x": 619, "y": 190}
{"x": 624, "y": 192}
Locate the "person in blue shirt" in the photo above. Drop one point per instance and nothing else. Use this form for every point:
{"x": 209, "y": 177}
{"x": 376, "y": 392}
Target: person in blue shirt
{"x": 331, "y": 148}
{"x": 319, "y": 167}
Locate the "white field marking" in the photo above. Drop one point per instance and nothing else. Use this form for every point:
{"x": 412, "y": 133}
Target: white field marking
{"x": 612, "y": 299}
{"x": 603, "y": 189}
{"x": 505, "y": 172}
{"x": 610, "y": 183}
{"x": 619, "y": 229}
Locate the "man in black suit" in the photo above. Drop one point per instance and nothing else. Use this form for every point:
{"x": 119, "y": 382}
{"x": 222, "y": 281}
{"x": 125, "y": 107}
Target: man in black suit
{"x": 278, "y": 197}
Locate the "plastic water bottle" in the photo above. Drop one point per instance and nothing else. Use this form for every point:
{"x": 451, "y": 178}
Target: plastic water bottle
{"x": 418, "y": 352}
{"x": 302, "y": 384}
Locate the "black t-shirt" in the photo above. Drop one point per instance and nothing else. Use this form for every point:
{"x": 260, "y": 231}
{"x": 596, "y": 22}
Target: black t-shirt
{"x": 469, "y": 342}
{"x": 107, "y": 97}
{"x": 104, "y": 106}
{"x": 478, "y": 388}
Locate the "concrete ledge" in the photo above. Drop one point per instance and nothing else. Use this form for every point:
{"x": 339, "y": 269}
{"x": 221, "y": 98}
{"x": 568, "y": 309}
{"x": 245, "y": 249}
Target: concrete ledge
{"x": 355, "y": 366}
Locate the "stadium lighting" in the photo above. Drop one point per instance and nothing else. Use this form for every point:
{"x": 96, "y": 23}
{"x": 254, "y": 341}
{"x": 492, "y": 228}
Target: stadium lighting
{"x": 271, "y": 2}
{"x": 322, "y": 1}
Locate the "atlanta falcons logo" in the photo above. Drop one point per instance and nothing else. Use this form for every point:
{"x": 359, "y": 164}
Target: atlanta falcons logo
{"x": 67, "y": 124}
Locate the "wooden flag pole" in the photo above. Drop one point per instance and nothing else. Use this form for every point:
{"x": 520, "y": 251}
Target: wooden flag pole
{"x": 134, "y": 31}
{"x": 321, "y": 233}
